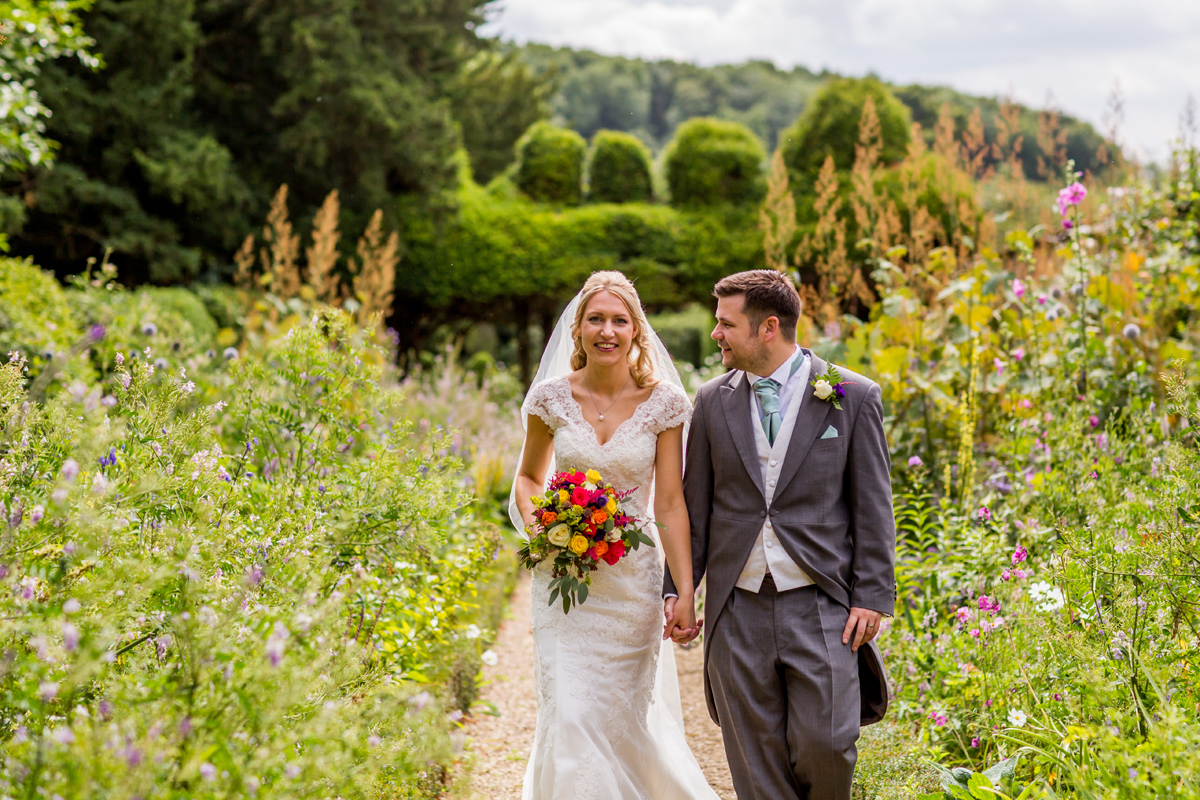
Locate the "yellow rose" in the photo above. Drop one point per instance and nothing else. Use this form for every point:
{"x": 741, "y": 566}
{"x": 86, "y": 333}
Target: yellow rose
{"x": 822, "y": 390}
{"x": 563, "y": 496}
{"x": 612, "y": 506}
{"x": 593, "y": 476}
{"x": 578, "y": 545}
{"x": 559, "y": 535}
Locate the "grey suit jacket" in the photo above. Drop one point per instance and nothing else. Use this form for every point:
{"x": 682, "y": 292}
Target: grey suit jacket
{"x": 832, "y": 509}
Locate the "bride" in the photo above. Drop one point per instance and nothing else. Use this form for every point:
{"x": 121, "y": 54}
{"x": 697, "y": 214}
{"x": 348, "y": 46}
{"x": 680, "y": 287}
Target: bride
{"x": 607, "y": 397}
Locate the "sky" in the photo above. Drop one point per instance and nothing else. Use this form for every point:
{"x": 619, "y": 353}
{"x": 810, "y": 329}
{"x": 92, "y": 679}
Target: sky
{"x": 1066, "y": 53}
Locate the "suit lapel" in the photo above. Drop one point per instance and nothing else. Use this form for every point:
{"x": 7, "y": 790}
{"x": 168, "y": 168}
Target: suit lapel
{"x": 810, "y": 423}
{"x": 736, "y": 403}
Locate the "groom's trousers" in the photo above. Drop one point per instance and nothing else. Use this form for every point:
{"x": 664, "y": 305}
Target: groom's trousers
{"x": 787, "y": 694}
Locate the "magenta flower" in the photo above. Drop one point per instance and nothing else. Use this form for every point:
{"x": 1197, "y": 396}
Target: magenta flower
{"x": 1075, "y": 193}
{"x": 939, "y": 719}
{"x": 1042, "y": 300}
{"x": 974, "y": 741}
{"x": 1019, "y": 353}
{"x": 985, "y": 514}
{"x": 1068, "y": 224}
{"x": 1022, "y": 574}
{"x": 1025, "y": 403}
{"x": 1019, "y": 555}
{"x": 963, "y": 614}
{"x": 1093, "y": 420}
{"x": 1018, "y": 287}
{"x": 1006, "y": 575}
{"x": 915, "y": 461}
{"x": 975, "y": 632}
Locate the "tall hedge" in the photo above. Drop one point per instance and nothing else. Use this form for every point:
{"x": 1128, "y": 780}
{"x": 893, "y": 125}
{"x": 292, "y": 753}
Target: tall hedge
{"x": 829, "y": 126}
{"x": 712, "y": 161}
{"x": 550, "y": 164}
{"x": 619, "y": 169}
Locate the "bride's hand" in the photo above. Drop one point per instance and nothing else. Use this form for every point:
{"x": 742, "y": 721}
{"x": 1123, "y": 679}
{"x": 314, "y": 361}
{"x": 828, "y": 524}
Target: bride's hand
{"x": 681, "y": 625}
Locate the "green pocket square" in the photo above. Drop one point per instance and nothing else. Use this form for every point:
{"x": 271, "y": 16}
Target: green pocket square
{"x": 830, "y": 433}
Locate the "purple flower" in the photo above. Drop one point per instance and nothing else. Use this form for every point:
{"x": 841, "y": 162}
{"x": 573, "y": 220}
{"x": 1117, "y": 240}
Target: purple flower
{"x": 185, "y": 726}
{"x": 1018, "y": 287}
{"x": 63, "y": 735}
{"x": 1131, "y": 331}
{"x": 208, "y": 771}
{"x": 149, "y": 329}
{"x": 35, "y": 516}
{"x": 120, "y": 359}
{"x": 1019, "y": 555}
{"x": 840, "y": 389}
{"x": 975, "y": 741}
{"x": 1058, "y": 697}
{"x": 96, "y": 333}
{"x": 1093, "y": 420}
{"x": 1005, "y": 575}
{"x": 939, "y": 719}
{"x": 47, "y": 690}
{"x": 1042, "y": 300}
{"x": 132, "y": 755}
{"x": 1068, "y": 224}
{"x": 985, "y": 514}
{"x": 70, "y": 634}
{"x": 915, "y": 461}
{"x": 70, "y": 469}
{"x": 105, "y": 709}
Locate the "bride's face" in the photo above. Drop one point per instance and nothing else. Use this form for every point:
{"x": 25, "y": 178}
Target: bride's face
{"x": 607, "y": 329}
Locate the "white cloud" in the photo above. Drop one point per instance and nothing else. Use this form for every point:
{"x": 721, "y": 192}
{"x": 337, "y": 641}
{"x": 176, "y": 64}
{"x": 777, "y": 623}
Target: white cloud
{"x": 1075, "y": 49}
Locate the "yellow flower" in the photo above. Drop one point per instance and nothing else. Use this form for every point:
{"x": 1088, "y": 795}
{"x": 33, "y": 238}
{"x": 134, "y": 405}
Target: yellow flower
{"x": 559, "y": 535}
{"x": 578, "y": 545}
{"x": 612, "y": 506}
{"x": 563, "y": 496}
{"x": 593, "y": 476}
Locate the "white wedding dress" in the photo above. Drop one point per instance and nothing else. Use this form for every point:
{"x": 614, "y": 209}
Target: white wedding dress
{"x": 609, "y": 724}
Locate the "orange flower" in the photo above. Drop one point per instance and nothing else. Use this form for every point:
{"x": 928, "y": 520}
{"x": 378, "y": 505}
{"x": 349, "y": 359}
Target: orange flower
{"x": 549, "y": 518}
{"x": 601, "y": 548}
{"x": 600, "y": 517}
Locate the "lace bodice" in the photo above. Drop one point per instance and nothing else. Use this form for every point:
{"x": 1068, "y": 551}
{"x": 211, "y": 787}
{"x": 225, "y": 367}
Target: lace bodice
{"x": 627, "y": 459}
{"x": 604, "y": 731}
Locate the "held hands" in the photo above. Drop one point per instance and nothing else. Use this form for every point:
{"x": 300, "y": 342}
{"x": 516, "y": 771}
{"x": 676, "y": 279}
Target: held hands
{"x": 681, "y": 624}
{"x": 862, "y": 627}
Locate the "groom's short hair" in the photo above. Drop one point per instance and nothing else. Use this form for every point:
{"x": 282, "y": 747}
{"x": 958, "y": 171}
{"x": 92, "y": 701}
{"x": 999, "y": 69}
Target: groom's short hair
{"x": 768, "y": 293}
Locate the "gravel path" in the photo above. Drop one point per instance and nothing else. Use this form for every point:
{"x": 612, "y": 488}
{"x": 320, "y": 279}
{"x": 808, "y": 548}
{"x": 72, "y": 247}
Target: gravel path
{"x": 501, "y": 743}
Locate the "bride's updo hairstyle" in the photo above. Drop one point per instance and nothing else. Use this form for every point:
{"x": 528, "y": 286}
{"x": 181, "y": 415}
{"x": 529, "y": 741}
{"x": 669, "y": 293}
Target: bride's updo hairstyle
{"x": 641, "y": 354}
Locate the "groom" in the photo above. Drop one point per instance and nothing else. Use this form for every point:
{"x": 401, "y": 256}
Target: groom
{"x": 791, "y": 512}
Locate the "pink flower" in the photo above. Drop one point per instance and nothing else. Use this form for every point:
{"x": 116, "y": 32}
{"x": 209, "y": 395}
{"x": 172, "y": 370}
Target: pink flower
{"x": 939, "y": 719}
{"x": 974, "y": 741}
{"x": 1025, "y": 403}
{"x": 975, "y": 632}
{"x": 915, "y": 461}
{"x": 1068, "y": 224}
{"x": 1006, "y": 575}
{"x": 985, "y": 514}
{"x": 963, "y": 614}
{"x": 1019, "y": 555}
{"x": 1022, "y": 574}
{"x": 1093, "y": 420}
{"x": 1018, "y": 287}
{"x": 1042, "y": 300}
{"x": 999, "y": 365}
{"x": 1075, "y": 193}
{"x": 1019, "y": 353}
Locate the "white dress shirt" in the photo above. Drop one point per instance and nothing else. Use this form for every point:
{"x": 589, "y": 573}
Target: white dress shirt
{"x": 768, "y": 555}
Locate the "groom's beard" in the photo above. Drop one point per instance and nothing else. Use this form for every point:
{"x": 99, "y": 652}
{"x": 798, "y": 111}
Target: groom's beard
{"x": 753, "y": 358}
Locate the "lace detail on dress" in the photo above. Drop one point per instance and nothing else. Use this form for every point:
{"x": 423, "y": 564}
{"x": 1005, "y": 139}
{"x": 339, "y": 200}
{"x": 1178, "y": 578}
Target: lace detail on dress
{"x": 595, "y": 668}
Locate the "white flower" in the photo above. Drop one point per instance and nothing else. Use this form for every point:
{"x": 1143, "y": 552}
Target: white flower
{"x": 613, "y": 535}
{"x": 559, "y": 535}
{"x": 591, "y": 487}
{"x": 473, "y": 631}
{"x": 822, "y": 389}
{"x": 1048, "y": 598}
{"x": 489, "y": 657}
{"x": 1017, "y": 718}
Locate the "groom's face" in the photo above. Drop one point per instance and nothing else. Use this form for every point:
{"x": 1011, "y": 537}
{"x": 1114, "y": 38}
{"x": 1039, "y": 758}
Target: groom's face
{"x": 741, "y": 346}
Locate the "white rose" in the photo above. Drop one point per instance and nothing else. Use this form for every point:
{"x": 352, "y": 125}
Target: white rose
{"x": 613, "y": 535}
{"x": 822, "y": 389}
{"x": 591, "y": 487}
{"x": 559, "y": 535}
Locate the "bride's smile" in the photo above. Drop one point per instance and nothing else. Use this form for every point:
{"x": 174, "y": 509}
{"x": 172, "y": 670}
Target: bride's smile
{"x": 607, "y": 330}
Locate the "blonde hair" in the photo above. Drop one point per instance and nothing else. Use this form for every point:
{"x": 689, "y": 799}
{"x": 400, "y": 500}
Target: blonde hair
{"x": 642, "y": 364}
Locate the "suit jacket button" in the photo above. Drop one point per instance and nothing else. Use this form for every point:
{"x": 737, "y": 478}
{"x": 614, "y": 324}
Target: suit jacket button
{"x": 774, "y": 512}
{"x": 762, "y": 513}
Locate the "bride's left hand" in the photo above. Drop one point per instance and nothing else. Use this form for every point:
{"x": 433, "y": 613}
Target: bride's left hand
{"x": 681, "y": 623}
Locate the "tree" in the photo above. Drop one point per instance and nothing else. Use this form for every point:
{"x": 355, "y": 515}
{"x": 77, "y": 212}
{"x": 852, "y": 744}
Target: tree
{"x": 208, "y": 105}
{"x": 713, "y": 161}
{"x": 619, "y": 169}
{"x": 829, "y": 127}
{"x": 495, "y": 99}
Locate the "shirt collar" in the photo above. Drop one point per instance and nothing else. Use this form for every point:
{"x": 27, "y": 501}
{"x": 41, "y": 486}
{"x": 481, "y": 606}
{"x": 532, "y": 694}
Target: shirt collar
{"x": 784, "y": 372}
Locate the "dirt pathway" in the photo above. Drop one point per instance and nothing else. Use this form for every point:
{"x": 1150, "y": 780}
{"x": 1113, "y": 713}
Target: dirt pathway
{"x": 501, "y": 743}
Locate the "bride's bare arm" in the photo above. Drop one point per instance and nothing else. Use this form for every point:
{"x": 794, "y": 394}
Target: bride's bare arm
{"x": 675, "y": 533}
{"x": 535, "y": 460}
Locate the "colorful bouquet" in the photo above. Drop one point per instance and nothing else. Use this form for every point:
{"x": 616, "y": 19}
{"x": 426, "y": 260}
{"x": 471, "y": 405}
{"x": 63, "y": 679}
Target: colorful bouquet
{"x": 578, "y": 524}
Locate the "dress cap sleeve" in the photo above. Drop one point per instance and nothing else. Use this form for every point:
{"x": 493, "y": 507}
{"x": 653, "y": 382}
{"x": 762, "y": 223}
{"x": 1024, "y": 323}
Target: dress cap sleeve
{"x": 672, "y": 408}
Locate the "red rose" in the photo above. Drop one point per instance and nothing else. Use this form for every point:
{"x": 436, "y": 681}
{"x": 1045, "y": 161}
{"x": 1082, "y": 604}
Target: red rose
{"x": 578, "y": 478}
{"x": 580, "y": 496}
{"x": 615, "y": 551}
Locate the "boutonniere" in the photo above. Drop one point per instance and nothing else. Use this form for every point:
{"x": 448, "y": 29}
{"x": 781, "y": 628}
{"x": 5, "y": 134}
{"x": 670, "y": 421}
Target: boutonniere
{"x": 830, "y": 387}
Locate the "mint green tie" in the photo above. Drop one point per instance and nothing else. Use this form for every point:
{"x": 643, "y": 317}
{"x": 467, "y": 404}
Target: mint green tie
{"x": 768, "y": 395}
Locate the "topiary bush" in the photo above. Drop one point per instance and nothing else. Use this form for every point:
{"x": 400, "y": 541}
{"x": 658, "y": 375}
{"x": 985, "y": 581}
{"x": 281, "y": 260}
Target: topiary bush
{"x": 37, "y": 321}
{"x": 829, "y": 126}
{"x": 713, "y": 161}
{"x": 550, "y": 164}
{"x": 619, "y": 169}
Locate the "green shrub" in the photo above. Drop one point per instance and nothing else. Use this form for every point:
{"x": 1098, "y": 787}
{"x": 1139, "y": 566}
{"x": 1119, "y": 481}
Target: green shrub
{"x": 619, "y": 169}
{"x": 829, "y": 126}
{"x": 712, "y": 161}
{"x": 550, "y": 164}
{"x": 37, "y": 321}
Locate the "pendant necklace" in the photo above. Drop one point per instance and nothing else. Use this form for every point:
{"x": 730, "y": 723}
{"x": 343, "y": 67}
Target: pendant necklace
{"x": 592, "y": 394}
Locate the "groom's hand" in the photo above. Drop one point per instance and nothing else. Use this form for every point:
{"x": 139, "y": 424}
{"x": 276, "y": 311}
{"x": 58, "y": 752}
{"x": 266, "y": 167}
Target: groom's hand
{"x": 673, "y": 629}
{"x": 862, "y": 627}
